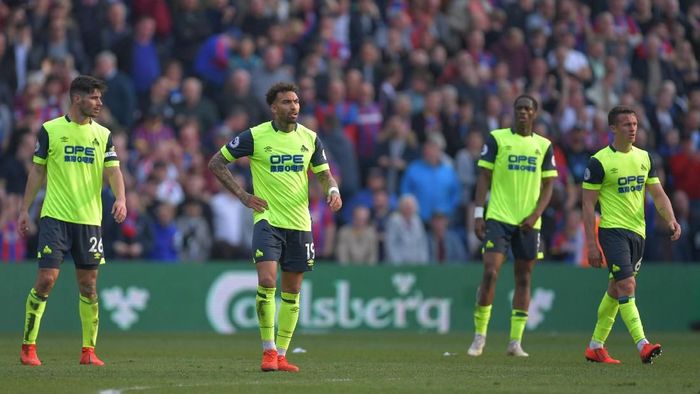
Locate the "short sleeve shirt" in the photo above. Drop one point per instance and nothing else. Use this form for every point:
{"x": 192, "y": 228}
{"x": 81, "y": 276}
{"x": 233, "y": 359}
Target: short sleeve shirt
{"x": 279, "y": 162}
{"x": 75, "y": 156}
{"x": 620, "y": 178}
{"x": 518, "y": 164}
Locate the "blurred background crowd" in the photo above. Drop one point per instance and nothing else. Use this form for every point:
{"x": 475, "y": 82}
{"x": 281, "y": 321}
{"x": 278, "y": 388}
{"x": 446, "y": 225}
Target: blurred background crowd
{"x": 401, "y": 92}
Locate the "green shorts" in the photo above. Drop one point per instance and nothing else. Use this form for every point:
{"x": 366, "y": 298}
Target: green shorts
{"x": 57, "y": 238}
{"x": 293, "y": 249}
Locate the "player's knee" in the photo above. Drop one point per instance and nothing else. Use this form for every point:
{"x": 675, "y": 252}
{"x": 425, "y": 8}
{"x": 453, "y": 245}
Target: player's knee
{"x": 490, "y": 276}
{"x": 267, "y": 281}
{"x": 44, "y": 284}
{"x": 625, "y": 287}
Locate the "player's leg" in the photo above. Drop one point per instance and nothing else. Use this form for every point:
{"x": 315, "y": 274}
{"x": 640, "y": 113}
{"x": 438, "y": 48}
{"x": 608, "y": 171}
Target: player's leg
{"x": 267, "y": 246}
{"x": 521, "y": 303}
{"x": 52, "y": 245}
{"x": 496, "y": 243}
{"x": 299, "y": 258}
{"x": 526, "y": 249}
{"x": 88, "y": 255}
{"x": 607, "y": 312}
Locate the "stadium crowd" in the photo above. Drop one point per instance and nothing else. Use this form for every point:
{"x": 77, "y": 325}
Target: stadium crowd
{"x": 402, "y": 93}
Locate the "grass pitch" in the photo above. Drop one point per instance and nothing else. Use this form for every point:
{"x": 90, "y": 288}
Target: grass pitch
{"x": 347, "y": 362}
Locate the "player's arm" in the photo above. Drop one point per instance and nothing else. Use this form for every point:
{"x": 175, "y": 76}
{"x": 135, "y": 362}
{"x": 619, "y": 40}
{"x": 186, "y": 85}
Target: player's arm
{"x": 661, "y": 201}
{"x": 549, "y": 173}
{"x": 116, "y": 181}
{"x": 665, "y": 209}
{"x": 592, "y": 182}
{"x": 542, "y": 202}
{"x": 35, "y": 180}
{"x": 483, "y": 183}
{"x": 319, "y": 166}
{"x": 332, "y": 192}
{"x": 239, "y": 146}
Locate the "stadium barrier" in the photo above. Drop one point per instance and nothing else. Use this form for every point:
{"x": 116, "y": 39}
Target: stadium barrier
{"x": 221, "y": 297}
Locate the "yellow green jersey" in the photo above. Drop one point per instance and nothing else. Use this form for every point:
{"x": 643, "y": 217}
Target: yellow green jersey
{"x": 518, "y": 164}
{"x": 75, "y": 156}
{"x": 620, "y": 178}
{"x": 279, "y": 163}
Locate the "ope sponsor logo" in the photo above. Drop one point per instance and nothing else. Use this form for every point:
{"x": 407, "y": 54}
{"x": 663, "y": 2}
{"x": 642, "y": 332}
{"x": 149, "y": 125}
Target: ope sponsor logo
{"x": 231, "y": 306}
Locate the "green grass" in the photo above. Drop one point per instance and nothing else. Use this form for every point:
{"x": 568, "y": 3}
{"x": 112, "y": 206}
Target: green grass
{"x": 347, "y": 362}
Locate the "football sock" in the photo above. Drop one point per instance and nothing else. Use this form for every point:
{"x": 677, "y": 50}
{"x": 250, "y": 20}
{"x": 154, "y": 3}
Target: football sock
{"x": 607, "y": 311}
{"x": 482, "y": 315}
{"x": 289, "y": 314}
{"x": 265, "y": 308}
{"x": 34, "y": 309}
{"x": 630, "y": 315}
{"x": 90, "y": 319}
{"x": 641, "y": 344}
{"x": 518, "y": 319}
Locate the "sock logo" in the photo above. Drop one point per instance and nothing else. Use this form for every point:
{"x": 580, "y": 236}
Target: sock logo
{"x": 124, "y": 305}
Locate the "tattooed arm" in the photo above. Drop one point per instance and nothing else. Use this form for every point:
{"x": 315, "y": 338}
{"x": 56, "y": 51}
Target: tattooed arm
{"x": 217, "y": 165}
{"x": 331, "y": 187}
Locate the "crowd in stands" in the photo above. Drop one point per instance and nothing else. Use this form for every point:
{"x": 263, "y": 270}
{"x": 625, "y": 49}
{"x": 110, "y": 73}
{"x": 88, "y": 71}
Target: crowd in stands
{"x": 401, "y": 92}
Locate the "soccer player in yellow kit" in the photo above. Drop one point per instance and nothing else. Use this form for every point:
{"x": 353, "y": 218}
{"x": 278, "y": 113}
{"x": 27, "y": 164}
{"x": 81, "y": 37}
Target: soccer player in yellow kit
{"x": 518, "y": 167}
{"x": 617, "y": 177}
{"x": 281, "y": 152}
{"x": 72, "y": 152}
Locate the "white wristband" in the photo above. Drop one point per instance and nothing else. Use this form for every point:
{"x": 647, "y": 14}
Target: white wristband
{"x": 333, "y": 189}
{"x": 478, "y": 212}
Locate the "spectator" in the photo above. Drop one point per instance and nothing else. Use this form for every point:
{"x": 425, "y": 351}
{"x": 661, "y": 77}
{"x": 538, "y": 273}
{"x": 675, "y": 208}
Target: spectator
{"x": 165, "y": 234}
{"x": 120, "y": 97}
{"x": 405, "y": 239}
{"x": 133, "y": 238}
{"x": 357, "y": 241}
{"x": 233, "y": 225}
{"x": 194, "y": 239}
{"x": 195, "y": 105}
{"x": 445, "y": 246}
{"x": 433, "y": 182}
{"x": 398, "y": 148}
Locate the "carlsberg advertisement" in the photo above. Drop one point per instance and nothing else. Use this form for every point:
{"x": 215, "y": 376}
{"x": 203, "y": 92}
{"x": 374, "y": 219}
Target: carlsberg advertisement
{"x": 221, "y": 298}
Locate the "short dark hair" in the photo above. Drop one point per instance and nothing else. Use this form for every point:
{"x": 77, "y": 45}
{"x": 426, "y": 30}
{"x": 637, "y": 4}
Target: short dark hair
{"x": 527, "y": 96}
{"x": 619, "y": 110}
{"x": 280, "y": 87}
{"x": 85, "y": 84}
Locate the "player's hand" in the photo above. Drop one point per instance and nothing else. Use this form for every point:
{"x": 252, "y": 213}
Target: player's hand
{"x": 595, "y": 259}
{"x": 480, "y": 228}
{"x": 23, "y": 224}
{"x": 334, "y": 201}
{"x": 529, "y": 222}
{"x": 675, "y": 230}
{"x": 254, "y": 202}
{"x": 119, "y": 211}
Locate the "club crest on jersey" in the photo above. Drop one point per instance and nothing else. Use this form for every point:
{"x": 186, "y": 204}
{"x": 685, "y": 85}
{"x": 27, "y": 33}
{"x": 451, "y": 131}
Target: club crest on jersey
{"x": 304, "y": 148}
{"x": 96, "y": 142}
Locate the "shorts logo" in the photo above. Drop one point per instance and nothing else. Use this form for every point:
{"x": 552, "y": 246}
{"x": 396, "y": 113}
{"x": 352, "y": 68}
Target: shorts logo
{"x": 310, "y": 262}
{"x": 258, "y": 253}
{"x": 615, "y": 268}
{"x": 489, "y": 244}
{"x": 47, "y": 250}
